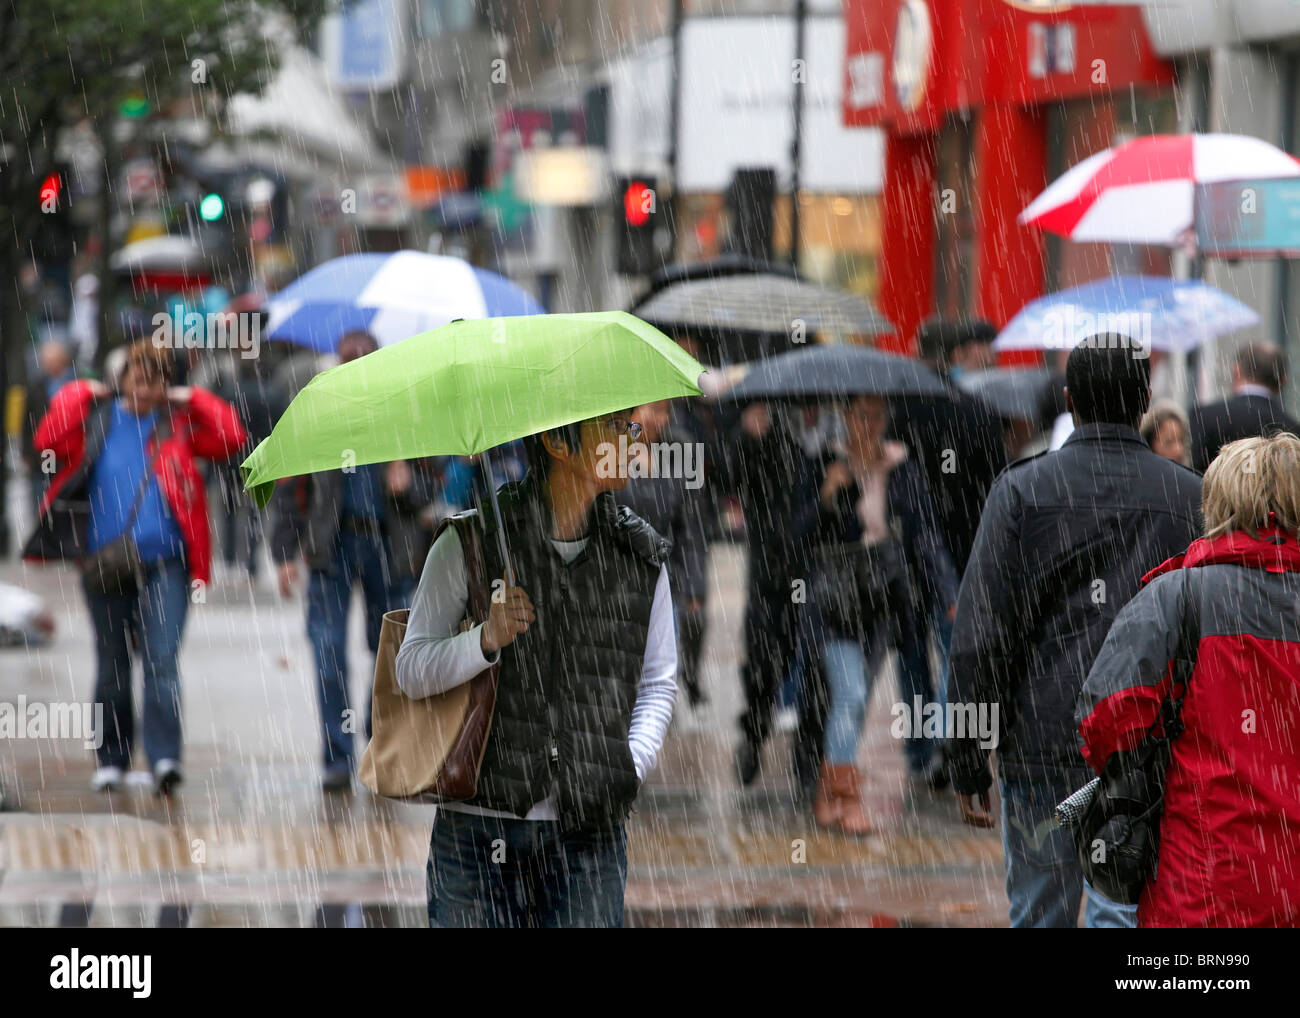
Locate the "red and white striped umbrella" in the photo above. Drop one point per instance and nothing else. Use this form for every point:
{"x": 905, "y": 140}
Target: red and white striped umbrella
{"x": 1144, "y": 191}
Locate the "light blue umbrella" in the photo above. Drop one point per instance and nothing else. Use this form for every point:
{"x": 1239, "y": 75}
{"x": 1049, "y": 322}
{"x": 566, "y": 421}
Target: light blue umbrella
{"x": 1157, "y": 313}
{"x": 394, "y": 296}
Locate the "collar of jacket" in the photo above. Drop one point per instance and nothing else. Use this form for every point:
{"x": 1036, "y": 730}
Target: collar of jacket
{"x": 1274, "y": 551}
{"x": 529, "y": 496}
{"x": 1105, "y": 432}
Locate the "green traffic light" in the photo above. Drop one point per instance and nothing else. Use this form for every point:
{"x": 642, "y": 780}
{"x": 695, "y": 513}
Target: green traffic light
{"x": 211, "y": 207}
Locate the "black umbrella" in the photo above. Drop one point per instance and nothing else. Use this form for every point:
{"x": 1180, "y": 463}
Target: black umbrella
{"x": 762, "y": 303}
{"x": 1013, "y": 393}
{"x": 836, "y": 372}
{"x": 711, "y": 268}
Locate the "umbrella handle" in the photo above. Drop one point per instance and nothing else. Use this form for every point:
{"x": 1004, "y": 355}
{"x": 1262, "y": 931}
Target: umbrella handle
{"x": 496, "y": 512}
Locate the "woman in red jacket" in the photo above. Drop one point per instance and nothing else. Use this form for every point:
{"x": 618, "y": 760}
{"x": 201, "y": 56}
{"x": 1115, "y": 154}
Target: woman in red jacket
{"x": 1230, "y": 834}
{"x": 144, "y": 482}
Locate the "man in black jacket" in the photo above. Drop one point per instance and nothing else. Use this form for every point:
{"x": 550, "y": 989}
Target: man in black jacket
{"x": 958, "y": 443}
{"x": 767, "y": 468}
{"x": 1255, "y": 408}
{"x": 1063, "y": 543}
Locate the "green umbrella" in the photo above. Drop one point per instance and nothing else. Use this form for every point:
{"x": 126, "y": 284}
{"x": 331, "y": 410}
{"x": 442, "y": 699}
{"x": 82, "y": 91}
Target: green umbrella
{"x": 466, "y": 387}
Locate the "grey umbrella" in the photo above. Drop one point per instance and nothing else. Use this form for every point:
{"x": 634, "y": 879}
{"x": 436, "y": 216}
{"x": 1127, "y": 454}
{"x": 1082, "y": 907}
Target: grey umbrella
{"x": 1013, "y": 392}
{"x": 762, "y": 303}
{"x": 825, "y": 373}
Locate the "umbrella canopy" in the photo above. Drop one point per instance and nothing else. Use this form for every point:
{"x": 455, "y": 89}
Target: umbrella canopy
{"x": 393, "y": 296}
{"x": 1013, "y": 393}
{"x": 1144, "y": 191}
{"x": 1159, "y": 313}
{"x": 712, "y": 268}
{"x": 468, "y": 386}
{"x": 162, "y": 254}
{"x": 762, "y": 302}
{"x": 838, "y": 372}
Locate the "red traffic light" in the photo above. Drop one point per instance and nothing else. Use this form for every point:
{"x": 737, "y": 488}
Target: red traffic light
{"x": 51, "y": 187}
{"x": 638, "y": 203}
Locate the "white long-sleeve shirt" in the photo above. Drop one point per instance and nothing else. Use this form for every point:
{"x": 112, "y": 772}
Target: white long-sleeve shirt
{"x": 435, "y": 656}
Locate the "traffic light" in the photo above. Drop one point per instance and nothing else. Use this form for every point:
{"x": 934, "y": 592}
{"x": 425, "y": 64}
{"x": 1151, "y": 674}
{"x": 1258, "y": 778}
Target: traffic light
{"x": 641, "y": 226}
{"x": 211, "y": 207}
{"x": 53, "y": 243}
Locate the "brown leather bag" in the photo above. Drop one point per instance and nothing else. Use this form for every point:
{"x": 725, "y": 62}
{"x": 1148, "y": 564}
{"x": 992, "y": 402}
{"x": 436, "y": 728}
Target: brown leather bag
{"x": 430, "y": 750}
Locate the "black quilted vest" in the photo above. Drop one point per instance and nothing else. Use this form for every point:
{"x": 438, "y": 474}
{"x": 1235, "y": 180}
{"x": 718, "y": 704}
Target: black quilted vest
{"x": 567, "y": 685}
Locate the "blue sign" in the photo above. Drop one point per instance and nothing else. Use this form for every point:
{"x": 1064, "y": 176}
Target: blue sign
{"x": 363, "y": 45}
{"x": 1249, "y": 217}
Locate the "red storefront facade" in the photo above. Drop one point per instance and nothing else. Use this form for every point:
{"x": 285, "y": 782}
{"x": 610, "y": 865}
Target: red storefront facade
{"x": 982, "y": 103}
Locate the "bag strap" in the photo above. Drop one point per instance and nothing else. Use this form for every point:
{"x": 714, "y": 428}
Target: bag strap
{"x": 466, "y": 525}
{"x": 162, "y": 431}
{"x": 1184, "y": 664}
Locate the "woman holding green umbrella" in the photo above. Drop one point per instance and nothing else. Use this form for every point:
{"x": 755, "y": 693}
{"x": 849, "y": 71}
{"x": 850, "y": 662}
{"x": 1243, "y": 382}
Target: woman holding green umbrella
{"x": 587, "y": 682}
{"x": 580, "y": 625}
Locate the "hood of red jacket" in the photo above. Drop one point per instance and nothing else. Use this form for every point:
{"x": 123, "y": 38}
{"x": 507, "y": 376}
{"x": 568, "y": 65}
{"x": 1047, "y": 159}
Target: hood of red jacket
{"x": 1274, "y": 550}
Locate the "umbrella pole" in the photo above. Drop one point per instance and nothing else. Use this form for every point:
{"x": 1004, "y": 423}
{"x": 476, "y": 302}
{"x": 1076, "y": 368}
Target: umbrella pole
{"x": 496, "y": 512}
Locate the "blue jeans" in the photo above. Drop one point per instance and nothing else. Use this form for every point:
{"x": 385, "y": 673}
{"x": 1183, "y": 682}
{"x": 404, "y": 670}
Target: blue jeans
{"x": 329, "y": 596}
{"x": 153, "y": 620}
{"x": 916, "y": 679}
{"x": 850, "y": 676}
{"x": 1044, "y": 881}
{"x": 501, "y": 872}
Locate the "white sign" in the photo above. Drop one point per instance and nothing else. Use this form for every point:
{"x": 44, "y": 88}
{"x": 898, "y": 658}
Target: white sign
{"x": 913, "y": 42}
{"x": 866, "y": 85}
{"x": 738, "y": 78}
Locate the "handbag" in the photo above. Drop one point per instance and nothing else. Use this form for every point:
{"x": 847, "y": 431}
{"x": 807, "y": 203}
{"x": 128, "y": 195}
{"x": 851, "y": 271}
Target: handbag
{"x": 61, "y": 531}
{"x": 1117, "y": 833}
{"x": 430, "y": 750}
{"x": 115, "y": 568}
{"x": 856, "y": 587}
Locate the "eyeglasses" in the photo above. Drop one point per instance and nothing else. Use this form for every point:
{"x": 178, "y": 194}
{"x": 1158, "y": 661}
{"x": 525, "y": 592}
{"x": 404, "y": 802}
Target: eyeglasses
{"x": 622, "y": 426}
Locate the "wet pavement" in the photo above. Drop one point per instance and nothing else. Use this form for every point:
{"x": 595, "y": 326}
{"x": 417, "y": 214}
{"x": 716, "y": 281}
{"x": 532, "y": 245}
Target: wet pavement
{"x": 250, "y": 840}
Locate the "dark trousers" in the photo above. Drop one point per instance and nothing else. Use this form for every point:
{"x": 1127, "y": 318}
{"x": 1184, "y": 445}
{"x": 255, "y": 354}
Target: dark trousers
{"x": 502, "y": 872}
{"x": 772, "y": 626}
{"x": 357, "y": 556}
{"x": 150, "y": 619}
{"x": 691, "y": 629}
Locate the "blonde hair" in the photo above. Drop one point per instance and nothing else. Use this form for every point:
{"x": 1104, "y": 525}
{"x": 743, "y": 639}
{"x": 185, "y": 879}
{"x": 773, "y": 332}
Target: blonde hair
{"x": 1250, "y": 479}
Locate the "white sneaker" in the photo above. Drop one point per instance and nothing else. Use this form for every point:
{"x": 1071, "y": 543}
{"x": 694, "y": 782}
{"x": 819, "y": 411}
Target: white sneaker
{"x": 106, "y": 779}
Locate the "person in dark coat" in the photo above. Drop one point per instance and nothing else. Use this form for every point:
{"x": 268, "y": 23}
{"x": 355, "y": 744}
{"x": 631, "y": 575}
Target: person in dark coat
{"x": 1255, "y": 407}
{"x": 768, "y": 470}
{"x": 1062, "y": 545}
{"x": 958, "y": 443}
{"x": 871, "y": 504}
{"x": 673, "y": 504}
{"x": 343, "y": 524}
{"x": 259, "y": 401}
{"x": 1230, "y": 826}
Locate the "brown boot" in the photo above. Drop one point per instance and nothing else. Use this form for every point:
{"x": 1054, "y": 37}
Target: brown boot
{"x": 826, "y": 806}
{"x": 846, "y": 785}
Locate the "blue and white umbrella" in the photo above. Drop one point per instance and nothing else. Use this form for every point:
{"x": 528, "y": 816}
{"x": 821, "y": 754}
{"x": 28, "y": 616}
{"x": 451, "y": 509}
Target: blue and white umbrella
{"x": 393, "y": 296}
{"x": 1155, "y": 312}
